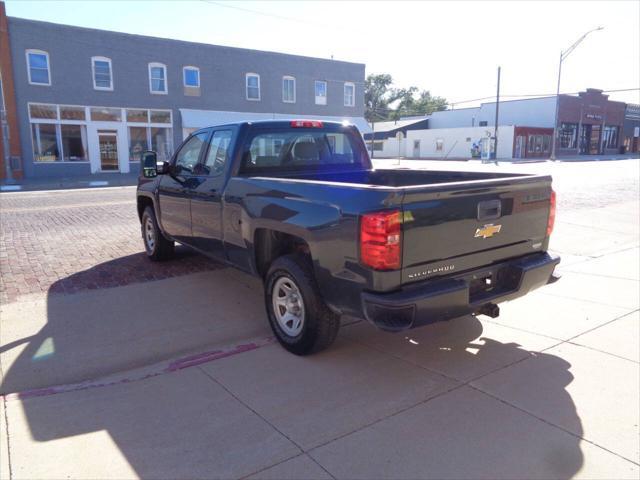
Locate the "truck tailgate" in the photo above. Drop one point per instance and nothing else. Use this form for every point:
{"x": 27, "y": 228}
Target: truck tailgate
{"x": 450, "y": 228}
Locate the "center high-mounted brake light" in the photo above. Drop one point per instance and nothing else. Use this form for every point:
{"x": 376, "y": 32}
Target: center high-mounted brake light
{"x": 552, "y": 213}
{"x": 306, "y": 124}
{"x": 381, "y": 239}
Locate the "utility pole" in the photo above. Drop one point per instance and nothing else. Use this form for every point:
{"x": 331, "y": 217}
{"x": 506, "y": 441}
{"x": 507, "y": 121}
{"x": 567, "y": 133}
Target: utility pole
{"x": 563, "y": 56}
{"x": 373, "y": 135}
{"x": 495, "y": 131}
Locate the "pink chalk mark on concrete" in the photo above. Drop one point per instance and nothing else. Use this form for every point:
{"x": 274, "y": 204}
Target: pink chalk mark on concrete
{"x": 205, "y": 357}
{"x": 173, "y": 366}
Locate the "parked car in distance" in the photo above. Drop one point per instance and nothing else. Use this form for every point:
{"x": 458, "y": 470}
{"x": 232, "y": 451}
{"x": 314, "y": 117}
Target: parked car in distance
{"x": 299, "y": 204}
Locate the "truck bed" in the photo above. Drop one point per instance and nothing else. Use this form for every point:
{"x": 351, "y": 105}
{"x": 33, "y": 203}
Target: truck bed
{"x": 403, "y": 178}
{"x": 447, "y": 216}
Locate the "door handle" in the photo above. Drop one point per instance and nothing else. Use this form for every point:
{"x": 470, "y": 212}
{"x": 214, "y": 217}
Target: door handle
{"x": 489, "y": 210}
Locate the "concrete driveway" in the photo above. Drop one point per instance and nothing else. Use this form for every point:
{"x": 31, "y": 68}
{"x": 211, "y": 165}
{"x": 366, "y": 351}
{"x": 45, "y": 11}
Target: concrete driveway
{"x": 173, "y": 373}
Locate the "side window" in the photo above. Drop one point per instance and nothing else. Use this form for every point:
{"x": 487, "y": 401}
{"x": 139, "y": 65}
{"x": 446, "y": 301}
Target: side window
{"x": 218, "y": 153}
{"x": 188, "y": 155}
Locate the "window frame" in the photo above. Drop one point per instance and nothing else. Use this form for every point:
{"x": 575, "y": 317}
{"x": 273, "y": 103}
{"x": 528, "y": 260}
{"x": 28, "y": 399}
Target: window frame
{"x": 326, "y": 92}
{"x": 246, "y": 87}
{"x": 284, "y": 79}
{"x": 38, "y": 52}
{"x": 205, "y": 154}
{"x": 353, "y": 96}
{"x": 93, "y": 73}
{"x": 203, "y": 148}
{"x": 184, "y": 78}
{"x": 166, "y": 82}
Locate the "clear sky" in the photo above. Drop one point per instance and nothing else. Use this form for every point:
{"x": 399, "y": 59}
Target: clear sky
{"x": 451, "y": 48}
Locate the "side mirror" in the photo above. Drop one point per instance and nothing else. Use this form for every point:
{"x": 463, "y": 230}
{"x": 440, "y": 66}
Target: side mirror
{"x": 163, "y": 167}
{"x": 149, "y": 164}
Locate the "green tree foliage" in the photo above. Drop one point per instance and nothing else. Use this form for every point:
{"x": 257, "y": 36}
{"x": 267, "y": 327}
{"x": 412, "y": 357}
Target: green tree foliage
{"x": 383, "y": 102}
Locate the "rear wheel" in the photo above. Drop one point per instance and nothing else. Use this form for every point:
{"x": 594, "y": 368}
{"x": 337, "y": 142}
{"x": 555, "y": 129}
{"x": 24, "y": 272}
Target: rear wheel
{"x": 298, "y": 316}
{"x": 156, "y": 245}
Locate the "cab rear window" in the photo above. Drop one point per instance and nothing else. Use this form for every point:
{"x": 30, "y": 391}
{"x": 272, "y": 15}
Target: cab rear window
{"x": 301, "y": 149}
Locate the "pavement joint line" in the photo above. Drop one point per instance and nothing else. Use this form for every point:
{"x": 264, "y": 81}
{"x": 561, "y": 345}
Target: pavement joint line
{"x": 604, "y": 352}
{"x": 252, "y": 410}
{"x": 551, "y": 337}
{"x": 6, "y": 433}
{"x": 501, "y": 400}
{"x": 6, "y": 426}
{"x": 391, "y": 415}
{"x": 569, "y": 340}
{"x": 275, "y": 465}
{"x": 590, "y": 301}
{"x": 143, "y": 373}
{"x": 567, "y": 269}
{"x": 591, "y": 227}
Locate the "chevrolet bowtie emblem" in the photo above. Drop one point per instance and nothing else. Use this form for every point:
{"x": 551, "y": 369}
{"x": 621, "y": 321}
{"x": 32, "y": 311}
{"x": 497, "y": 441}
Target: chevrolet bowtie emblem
{"x": 487, "y": 231}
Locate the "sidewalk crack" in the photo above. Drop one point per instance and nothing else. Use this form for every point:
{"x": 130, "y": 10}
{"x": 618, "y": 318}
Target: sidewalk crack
{"x": 248, "y": 407}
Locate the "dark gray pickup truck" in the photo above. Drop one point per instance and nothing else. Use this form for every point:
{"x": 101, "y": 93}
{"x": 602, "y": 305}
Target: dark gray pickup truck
{"x": 299, "y": 204}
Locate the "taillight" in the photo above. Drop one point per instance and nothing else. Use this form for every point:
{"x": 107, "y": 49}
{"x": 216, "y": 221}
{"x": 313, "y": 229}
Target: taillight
{"x": 306, "y": 124}
{"x": 380, "y": 240}
{"x": 552, "y": 213}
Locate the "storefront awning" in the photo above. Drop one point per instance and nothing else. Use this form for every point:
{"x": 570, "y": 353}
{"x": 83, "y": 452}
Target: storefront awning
{"x": 206, "y": 118}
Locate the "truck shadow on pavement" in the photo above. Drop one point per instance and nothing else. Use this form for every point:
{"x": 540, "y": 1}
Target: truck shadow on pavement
{"x": 178, "y": 424}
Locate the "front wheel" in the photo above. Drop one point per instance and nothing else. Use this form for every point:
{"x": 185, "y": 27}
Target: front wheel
{"x": 156, "y": 245}
{"x": 298, "y": 316}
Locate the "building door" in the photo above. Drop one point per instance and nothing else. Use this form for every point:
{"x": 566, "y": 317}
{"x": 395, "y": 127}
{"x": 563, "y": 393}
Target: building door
{"x": 416, "y": 149}
{"x": 594, "y": 140}
{"x": 108, "y": 148}
{"x": 585, "y": 136}
{"x": 521, "y": 143}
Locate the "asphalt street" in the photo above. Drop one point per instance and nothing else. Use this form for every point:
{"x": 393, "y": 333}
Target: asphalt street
{"x": 113, "y": 367}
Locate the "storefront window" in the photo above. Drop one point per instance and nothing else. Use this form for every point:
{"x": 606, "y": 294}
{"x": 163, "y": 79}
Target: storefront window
{"x": 137, "y": 143}
{"x": 47, "y": 112}
{"x": 568, "y": 135}
{"x": 74, "y": 143}
{"x": 45, "y": 142}
{"x": 160, "y": 116}
{"x": 72, "y": 113}
{"x": 141, "y": 116}
{"x": 611, "y": 136}
{"x": 106, "y": 114}
{"x": 161, "y": 143}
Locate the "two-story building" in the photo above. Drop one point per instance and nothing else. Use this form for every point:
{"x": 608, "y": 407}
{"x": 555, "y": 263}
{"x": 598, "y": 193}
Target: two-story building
{"x": 91, "y": 101}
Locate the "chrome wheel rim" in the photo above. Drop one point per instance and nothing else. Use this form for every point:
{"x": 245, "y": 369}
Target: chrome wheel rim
{"x": 288, "y": 306}
{"x": 149, "y": 234}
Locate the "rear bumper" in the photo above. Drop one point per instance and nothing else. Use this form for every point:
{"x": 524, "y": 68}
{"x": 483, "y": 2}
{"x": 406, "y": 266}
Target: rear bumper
{"x": 446, "y": 298}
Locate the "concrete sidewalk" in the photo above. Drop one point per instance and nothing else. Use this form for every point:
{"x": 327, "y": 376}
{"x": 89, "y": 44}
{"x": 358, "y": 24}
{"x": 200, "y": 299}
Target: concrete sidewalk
{"x": 178, "y": 378}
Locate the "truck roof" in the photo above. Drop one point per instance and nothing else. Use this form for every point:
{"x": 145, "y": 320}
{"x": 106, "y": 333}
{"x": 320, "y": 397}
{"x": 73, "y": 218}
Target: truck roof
{"x": 282, "y": 123}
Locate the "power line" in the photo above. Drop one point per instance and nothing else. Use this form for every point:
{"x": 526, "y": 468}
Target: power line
{"x": 265, "y": 14}
{"x": 380, "y": 110}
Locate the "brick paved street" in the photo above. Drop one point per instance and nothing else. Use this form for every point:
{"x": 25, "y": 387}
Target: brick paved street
{"x": 69, "y": 241}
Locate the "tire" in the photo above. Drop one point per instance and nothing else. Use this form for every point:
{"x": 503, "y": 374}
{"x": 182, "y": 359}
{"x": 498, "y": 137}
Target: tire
{"x": 156, "y": 245}
{"x": 319, "y": 326}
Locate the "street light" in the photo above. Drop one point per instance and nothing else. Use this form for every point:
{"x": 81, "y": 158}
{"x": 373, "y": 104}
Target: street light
{"x": 563, "y": 56}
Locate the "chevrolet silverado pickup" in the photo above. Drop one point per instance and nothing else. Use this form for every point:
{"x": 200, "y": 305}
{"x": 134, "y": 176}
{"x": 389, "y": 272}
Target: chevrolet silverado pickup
{"x": 299, "y": 204}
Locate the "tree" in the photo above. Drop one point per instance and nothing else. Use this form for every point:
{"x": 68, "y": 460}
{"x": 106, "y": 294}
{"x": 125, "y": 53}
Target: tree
{"x": 378, "y": 96}
{"x": 382, "y": 102}
{"x": 424, "y": 104}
